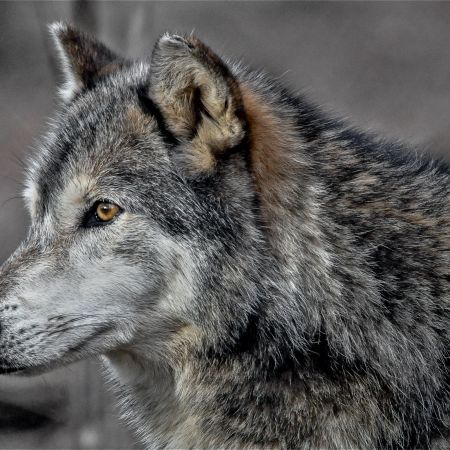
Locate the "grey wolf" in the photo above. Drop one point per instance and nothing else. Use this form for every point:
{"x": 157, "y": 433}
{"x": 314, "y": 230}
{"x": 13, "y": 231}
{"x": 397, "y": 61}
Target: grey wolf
{"x": 252, "y": 273}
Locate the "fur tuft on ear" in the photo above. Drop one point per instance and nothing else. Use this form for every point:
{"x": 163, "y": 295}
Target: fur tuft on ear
{"x": 84, "y": 59}
{"x": 199, "y": 98}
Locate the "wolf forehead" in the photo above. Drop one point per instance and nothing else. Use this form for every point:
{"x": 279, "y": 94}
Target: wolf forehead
{"x": 95, "y": 139}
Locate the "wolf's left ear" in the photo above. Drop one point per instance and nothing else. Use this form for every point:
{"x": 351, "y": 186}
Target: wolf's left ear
{"x": 199, "y": 98}
{"x": 84, "y": 59}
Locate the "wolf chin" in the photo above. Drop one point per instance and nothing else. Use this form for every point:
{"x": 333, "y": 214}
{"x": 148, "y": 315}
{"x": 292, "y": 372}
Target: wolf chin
{"x": 253, "y": 274}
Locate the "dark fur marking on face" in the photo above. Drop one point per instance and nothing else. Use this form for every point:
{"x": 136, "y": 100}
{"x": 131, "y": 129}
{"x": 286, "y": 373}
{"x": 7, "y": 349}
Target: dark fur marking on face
{"x": 149, "y": 107}
{"x": 52, "y": 172}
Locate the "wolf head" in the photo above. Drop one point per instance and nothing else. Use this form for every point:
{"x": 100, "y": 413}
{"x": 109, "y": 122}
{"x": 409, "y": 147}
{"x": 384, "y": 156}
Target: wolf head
{"x": 142, "y": 210}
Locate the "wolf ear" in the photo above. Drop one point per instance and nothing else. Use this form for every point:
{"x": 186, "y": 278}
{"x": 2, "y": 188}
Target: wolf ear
{"x": 199, "y": 98}
{"x": 84, "y": 59}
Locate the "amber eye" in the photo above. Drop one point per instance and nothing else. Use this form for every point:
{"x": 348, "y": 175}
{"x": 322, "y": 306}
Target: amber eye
{"x": 106, "y": 211}
{"x": 101, "y": 213}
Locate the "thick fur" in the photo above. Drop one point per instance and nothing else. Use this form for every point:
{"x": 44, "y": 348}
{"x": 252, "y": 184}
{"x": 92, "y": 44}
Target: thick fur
{"x": 276, "y": 279}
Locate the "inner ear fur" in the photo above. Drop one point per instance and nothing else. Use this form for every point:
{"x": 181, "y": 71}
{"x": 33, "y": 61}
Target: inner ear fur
{"x": 84, "y": 59}
{"x": 199, "y": 98}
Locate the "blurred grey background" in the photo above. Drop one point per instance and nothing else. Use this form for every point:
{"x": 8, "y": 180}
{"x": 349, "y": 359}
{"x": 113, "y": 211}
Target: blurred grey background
{"x": 384, "y": 65}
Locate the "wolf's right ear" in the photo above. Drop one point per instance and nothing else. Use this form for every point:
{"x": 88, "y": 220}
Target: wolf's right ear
{"x": 84, "y": 59}
{"x": 200, "y": 100}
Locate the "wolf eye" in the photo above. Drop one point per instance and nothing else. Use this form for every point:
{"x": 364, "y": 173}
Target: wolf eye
{"x": 101, "y": 213}
{"x": 106, "y": 211}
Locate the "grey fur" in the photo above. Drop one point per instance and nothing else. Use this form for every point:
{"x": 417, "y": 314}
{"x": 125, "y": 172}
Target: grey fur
{"x": 276, "y": 279}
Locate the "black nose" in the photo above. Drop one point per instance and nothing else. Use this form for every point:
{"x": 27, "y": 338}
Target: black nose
{"x": 7, "y": 370}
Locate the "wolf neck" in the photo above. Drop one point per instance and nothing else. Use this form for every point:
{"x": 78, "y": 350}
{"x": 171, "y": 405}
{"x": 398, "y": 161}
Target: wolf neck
{"x": 217, "y": 384}
{"x": 290, "y": 206}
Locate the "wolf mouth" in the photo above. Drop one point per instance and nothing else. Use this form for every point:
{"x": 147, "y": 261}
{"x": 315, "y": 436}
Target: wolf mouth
{"x": 36, "y": 369}
{"x": 103, "y": 329}
{"x": 11, "y": 370}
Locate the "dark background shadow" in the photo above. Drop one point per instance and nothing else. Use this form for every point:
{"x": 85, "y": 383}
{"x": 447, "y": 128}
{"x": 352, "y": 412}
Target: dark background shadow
{"x": 384, "y": 65}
